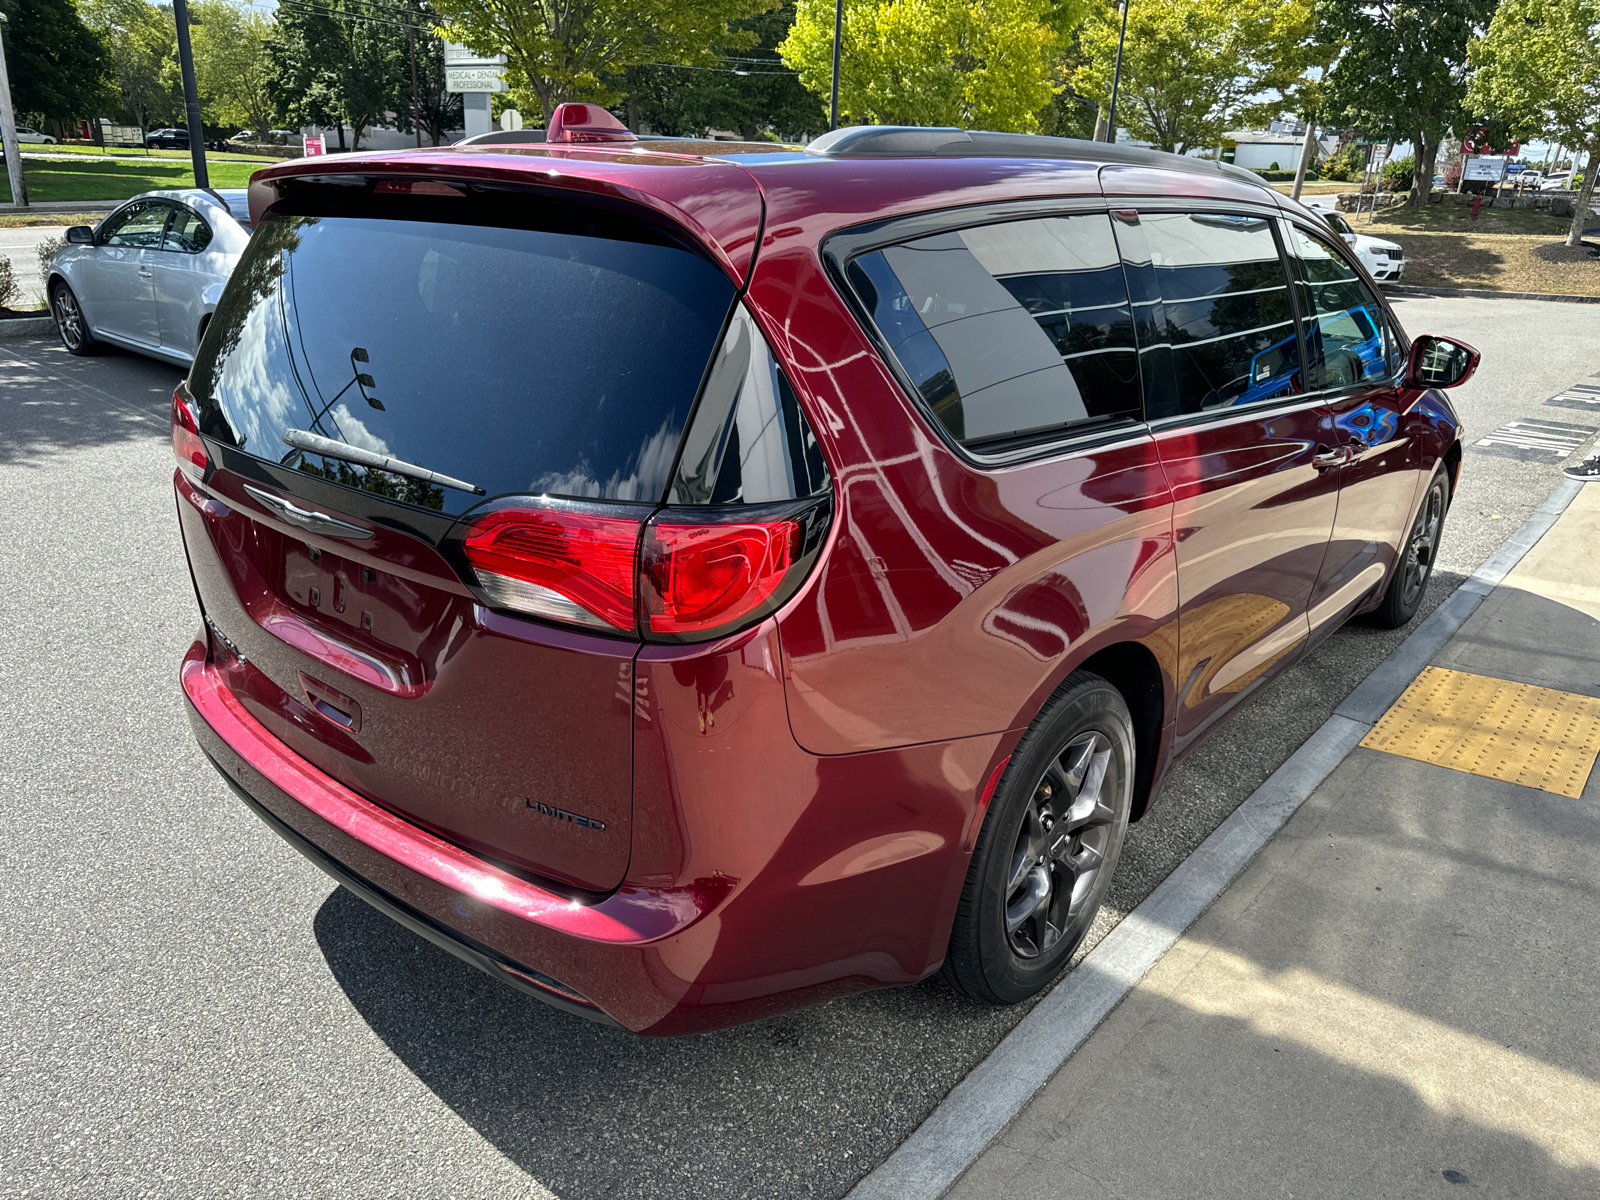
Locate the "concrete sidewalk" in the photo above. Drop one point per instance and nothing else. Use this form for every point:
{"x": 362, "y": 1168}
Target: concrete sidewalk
{"x": 1398, "y": 996}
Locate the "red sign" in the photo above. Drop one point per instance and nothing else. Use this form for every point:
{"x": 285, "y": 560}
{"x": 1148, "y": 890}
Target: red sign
{"x": 313, "y": 147}
{"x": 1476, "y": 143}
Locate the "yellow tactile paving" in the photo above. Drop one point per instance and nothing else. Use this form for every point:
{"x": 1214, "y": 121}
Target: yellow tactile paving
{"x": 1534, "y": 736}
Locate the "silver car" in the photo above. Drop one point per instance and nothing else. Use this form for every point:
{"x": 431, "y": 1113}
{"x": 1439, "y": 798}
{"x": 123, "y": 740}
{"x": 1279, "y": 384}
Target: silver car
{"x": 147, "y": 278}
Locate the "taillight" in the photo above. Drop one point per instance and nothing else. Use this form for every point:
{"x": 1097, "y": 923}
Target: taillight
{"x": 568, "y": 566}
{"x": 186, "y": 443}
{"x": 696, "y": 578}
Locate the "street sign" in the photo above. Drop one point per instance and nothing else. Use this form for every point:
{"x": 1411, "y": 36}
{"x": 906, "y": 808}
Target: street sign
{"x": 1483, "y": 169}
{"x": 511, "y": 119}
{"x": 314, "y": 147}
{"x": 122, "y": 135}
{"x": 475, "y": 78}
{"x": 457, "y": 55}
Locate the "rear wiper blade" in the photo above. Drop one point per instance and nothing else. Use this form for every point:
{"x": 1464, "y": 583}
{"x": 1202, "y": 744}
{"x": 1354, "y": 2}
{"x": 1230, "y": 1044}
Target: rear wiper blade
{"x": 328, "y": 447}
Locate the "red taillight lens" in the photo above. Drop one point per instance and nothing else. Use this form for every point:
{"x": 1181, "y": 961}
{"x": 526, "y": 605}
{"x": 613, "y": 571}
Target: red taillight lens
{"x": 568, "y": 566}
{"x": 186, "y": 443}
{"x": 699, "y": 577}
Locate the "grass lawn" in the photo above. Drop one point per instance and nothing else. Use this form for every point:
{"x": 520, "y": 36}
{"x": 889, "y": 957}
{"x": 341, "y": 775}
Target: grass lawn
{"x": 110, "y": 180}
{"x": 29, "y": 220}
{"x": 1445, "y": 247}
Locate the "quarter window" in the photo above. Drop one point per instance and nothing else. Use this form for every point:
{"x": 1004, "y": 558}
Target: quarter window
{"x": 1011, "y": 330}
{"x": 1211, "y": 297}
{"x": 188, "y": 232}
{"x": 1344, "y": 322}
{"x": 139, "y": 225}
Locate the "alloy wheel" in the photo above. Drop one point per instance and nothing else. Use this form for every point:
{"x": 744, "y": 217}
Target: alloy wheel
{"x": 1423, "y": 545}
{"x": 1061, "y": 847}
{"x": 68, "y": 319}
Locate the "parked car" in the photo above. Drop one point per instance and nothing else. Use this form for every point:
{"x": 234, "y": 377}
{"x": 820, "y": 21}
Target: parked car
{"x": 178, "y": 139}
{"x": 688, "y": 587}
{"x": 30, "y": 136}
{"x": 1557, "y": 182}
{"x": 148, "y": 277}
{"x": 1384, "y": 259}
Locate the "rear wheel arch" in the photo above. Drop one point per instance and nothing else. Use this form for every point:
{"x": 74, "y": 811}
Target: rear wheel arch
{"x": 1133, "y": 670}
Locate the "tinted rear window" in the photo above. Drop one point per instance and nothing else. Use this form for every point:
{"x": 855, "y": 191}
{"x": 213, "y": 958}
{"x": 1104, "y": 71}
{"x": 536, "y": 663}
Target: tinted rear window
{"x": 518, "y": 360}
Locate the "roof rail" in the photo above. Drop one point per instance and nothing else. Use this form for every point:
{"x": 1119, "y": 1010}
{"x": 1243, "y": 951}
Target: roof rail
{"x": 915, "y": 141}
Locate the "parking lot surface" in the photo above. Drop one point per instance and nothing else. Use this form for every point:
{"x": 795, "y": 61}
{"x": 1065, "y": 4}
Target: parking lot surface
{"x": 193, "y": 1009}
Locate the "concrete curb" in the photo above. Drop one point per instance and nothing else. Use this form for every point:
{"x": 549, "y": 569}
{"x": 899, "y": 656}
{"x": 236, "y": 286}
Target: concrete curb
{"x": 23, "y": 327}
{"x": 930, "y": 1161}
{"x": 1405, "y": 289}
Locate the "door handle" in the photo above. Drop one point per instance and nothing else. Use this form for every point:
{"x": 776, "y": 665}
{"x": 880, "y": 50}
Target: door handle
{"x": 1325, "y": 458}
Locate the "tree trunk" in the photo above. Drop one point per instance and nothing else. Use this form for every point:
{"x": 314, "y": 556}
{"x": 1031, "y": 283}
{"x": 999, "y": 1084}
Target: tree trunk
{"x": 1305, "y": 159}
{"x": 1100, "y": 124}
{"x": 1580, "y": 206}
{"x": 1427, "y": 154}
{"x": 340, "y": 127}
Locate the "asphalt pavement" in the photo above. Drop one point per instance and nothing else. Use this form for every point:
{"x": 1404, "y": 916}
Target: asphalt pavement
{"x": 192, "y": 1009}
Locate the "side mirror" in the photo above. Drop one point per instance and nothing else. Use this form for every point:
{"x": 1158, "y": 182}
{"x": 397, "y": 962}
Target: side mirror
{"x": 1440, "y": 362}
{"x": 80, "y": 235}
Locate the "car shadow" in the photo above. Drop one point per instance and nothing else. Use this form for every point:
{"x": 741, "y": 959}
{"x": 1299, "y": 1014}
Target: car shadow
{"x": 55, "y": 402}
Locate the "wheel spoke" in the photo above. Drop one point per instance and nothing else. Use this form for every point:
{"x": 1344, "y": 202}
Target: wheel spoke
{"x": 1021, "y": 864}
{"x": 1030, "y": 902}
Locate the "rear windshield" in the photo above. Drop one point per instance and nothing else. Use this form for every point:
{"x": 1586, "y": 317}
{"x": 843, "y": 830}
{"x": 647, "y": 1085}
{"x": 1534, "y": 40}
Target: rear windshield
{"x": 516, "y": 360}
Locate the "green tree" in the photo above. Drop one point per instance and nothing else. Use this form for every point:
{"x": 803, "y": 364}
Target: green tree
{"x": 233, "y": 72}
{"x": 338, "y": 64}
{"x": 142, "y": 51}
{"x": 559, "y": 50}
{"x": 751, "y": 90}
{"x": 436, "y": 110}
{"x": 1402, "y": 73}
{"x": 57, "y": 65}
{"x": 1538, "y": 69}
{"x": 1188, "y": 69}
{"x": 980, "y": 64}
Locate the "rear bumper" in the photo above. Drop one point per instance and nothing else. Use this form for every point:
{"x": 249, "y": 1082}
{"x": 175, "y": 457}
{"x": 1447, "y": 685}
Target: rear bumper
{"x": 715, "y": 951}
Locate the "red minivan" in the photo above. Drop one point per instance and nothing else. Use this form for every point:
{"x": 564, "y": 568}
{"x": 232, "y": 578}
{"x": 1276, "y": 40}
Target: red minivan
{"x": 693, "y": 580}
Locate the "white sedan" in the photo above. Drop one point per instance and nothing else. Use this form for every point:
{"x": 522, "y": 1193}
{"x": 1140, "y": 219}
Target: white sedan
{"x": 1385, "y": 260}
{"x": 33, "y": 137}
{"x": 147, "y": 278}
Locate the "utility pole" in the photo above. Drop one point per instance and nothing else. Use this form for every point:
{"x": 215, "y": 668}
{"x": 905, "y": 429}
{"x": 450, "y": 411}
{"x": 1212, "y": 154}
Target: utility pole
{"x": 191, "y": 97}
{"x": 8, "y": 131}
{"x": 1305, "y": 160}
{"x": 838, "y": 33}
{"x": 411, "y": 41}
{"x": 1116, "y": 76}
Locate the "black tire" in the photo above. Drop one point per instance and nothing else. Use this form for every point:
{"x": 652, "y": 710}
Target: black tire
{"x": 1409, "y": 580}
{"x": 71, "y": 324}
{"x": 1048, "y": 846}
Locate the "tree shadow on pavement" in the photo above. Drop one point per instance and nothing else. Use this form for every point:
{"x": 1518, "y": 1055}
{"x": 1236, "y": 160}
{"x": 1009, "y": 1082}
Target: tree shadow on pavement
{"x": 54, "y": 402}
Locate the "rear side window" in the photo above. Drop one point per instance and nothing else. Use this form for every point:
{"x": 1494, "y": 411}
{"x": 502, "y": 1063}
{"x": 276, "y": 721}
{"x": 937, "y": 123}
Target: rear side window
{"x": 187, "y": 232}
{"x": 518, "y": 360}
{"x": 1215, "y": 323}
{"x": 1008, "y": 331}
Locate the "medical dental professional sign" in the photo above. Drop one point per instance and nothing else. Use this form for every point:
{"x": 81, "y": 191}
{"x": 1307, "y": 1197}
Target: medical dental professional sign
{"x": 468, "y": 71}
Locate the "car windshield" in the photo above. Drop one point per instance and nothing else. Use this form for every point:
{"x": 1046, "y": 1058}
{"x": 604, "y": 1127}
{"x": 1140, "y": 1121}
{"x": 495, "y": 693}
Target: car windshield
{"x": 524, "y": 360}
